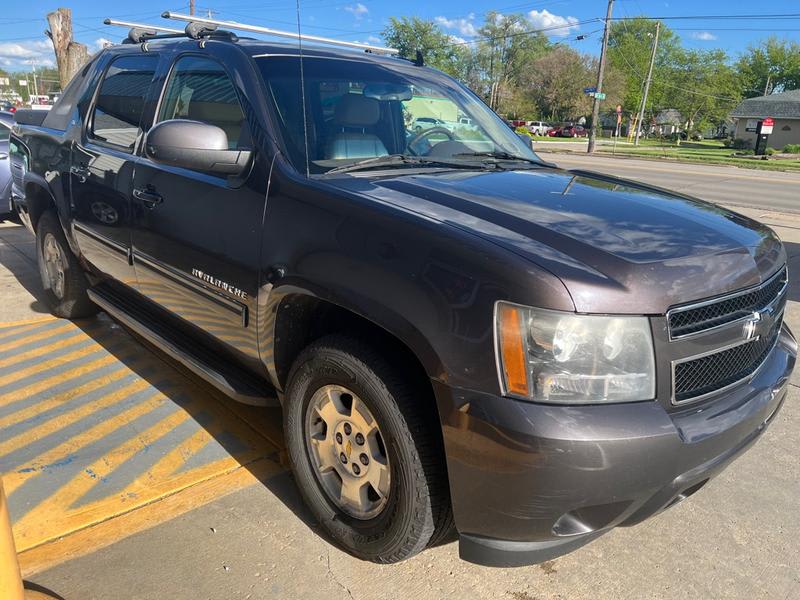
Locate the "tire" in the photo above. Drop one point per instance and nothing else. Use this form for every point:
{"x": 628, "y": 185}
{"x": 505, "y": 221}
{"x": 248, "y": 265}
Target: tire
{"x": 416, "y": 506}
{"x": 63, "y": 279}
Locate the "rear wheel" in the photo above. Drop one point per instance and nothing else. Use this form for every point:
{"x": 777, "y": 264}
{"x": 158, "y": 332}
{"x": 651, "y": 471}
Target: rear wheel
{"x": 63, "y": 279}
{"x": 365, "y": 451}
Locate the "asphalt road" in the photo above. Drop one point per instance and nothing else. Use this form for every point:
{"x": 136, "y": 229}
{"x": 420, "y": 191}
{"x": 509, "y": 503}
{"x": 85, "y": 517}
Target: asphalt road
{"x": 767, "y": 190}
{"x": 737, "y": 538}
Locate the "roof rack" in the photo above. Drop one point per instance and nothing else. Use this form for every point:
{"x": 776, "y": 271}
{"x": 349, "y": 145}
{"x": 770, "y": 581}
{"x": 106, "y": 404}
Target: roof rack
{"x": 141, "y": 32}
{"x": 278, "y": 33}
{"x": 142, "y": 26}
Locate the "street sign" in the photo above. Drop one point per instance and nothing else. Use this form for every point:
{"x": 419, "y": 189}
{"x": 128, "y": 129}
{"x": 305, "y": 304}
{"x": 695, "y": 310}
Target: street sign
{"x": 23, "y": 82}
{"x": 767, "y": 125}
{"x": 589, "y": 90}
{"x": 600, "y": 95}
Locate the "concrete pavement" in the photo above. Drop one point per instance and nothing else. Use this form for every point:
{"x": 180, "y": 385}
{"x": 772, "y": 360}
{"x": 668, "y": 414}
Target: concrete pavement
{"x": 737, "y": 538}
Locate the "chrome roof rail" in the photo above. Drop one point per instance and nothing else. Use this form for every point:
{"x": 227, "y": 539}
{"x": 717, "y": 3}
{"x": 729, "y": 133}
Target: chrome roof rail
{"x": 279, "y": 33}
{"x": 143, "y": 26}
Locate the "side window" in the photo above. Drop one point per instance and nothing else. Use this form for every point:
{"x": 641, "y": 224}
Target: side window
{"x": 199, "y": 89}
{"x": 120, "y": 100}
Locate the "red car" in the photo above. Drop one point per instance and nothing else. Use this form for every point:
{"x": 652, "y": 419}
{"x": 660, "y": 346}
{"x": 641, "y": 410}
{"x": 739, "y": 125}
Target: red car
{"x": 554, "y": 132}
{"x": 573, "y": 131}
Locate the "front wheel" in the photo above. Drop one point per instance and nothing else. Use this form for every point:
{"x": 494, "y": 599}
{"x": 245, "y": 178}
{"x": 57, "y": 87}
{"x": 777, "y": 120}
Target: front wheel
{"x": 365, "y": 450}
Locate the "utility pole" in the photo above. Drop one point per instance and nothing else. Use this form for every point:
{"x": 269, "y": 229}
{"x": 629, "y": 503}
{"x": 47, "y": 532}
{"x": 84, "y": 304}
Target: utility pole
{"x": 766, "y": 87}
{"x": 647, "y": 85}
{"x": 191, "y": 7}
{"x": 600, "y": 71}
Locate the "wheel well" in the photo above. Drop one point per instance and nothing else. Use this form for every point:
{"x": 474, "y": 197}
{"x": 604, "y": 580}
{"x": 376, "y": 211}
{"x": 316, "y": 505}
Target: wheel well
{"x": 302, "y": 319}
{"x": 38, "y": 200}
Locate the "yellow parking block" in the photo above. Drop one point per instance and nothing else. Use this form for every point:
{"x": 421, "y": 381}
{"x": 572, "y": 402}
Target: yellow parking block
{"x": 94, "y": 425}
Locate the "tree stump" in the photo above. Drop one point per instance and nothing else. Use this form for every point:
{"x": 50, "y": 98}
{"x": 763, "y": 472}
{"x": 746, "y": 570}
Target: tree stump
{"x": 70, "y": 55}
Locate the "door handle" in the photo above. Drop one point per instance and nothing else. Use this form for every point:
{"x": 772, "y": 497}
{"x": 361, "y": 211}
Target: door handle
{"x": 148, "y": 197}
{"x": 82, "y": 173}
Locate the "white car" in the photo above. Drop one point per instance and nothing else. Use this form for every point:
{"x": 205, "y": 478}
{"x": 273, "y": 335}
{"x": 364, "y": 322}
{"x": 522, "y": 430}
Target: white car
{"x": 539, "y": 128}
{"x": 421, "y": 123}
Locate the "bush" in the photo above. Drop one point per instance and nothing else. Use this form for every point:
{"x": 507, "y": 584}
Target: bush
{"x": 792, "y": 148}
{"x": 770, "y": 151}
{"x": 740, "y": 144}
{"x": 523, "y": 130}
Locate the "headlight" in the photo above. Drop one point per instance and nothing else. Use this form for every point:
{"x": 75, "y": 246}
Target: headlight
{"x": 564, "y": 358}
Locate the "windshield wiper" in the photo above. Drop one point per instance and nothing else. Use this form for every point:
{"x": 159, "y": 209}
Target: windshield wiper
{"x": 500, "y": 155}
{"x": 399, "y": 160}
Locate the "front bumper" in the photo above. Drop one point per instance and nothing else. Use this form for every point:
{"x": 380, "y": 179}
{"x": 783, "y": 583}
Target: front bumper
{"x": 530, "y": 482}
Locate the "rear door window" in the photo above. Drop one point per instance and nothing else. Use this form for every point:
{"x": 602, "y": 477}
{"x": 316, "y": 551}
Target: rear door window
{"x": 120, "y": 100}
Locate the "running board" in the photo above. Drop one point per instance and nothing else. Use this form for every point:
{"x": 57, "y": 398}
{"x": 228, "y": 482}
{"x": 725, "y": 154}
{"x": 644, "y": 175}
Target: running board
{"x": 230, "y": 379}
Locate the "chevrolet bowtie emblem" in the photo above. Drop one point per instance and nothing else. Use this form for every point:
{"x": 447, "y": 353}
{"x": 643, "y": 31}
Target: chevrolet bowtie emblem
{"x": 750, "y": 329}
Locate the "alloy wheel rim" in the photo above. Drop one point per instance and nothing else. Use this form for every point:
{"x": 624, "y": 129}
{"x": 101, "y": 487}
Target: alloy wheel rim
{"x": 347, "y": 452}
{"x": 54, "y": 265}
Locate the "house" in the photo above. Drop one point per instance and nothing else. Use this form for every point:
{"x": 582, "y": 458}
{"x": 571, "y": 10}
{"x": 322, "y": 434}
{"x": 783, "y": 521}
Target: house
{"x": 784, "y": 108}
{"x": 666, "y": 122}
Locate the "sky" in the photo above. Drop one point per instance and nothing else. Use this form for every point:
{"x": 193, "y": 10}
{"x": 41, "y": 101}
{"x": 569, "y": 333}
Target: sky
{"x": 23, "y": 45}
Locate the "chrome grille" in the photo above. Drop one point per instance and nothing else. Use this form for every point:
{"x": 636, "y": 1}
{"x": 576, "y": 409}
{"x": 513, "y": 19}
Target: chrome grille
{"x": 703, "y": 316}
{"x": 693, "y": 379}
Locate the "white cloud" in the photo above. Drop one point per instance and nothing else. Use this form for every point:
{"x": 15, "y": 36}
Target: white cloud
{"x": 705, "y": 36}
{"x": 102, "y": 42}
{"x": 463, "y": 26}
{"x": 374, "y": 39}
{"x": 457, "y": 40}
{"x": 358, "y": 10}
{"x": 27, "y": 52}
{"x": 544, "y": 19}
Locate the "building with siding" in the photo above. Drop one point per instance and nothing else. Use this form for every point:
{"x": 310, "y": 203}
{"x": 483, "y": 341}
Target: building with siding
{"x": 784, "y": 108}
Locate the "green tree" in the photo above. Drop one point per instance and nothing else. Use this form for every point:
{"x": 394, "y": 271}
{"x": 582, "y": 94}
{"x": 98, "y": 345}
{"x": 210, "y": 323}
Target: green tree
{"x": 772, "y": 65}
{"x": 410, "y": 34}
{"x": 630, "y": 47}
{"x": 505, "y": 50}
{"x": 702, "y": 86}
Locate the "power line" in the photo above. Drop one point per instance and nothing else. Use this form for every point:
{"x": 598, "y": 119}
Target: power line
{"x": 760, "y": 17}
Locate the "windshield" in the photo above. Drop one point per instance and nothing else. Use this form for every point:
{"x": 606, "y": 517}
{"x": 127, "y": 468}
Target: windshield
{"x": 359, "y": 110}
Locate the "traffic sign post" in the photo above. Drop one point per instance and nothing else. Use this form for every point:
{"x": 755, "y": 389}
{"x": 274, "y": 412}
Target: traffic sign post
{"x": 589, "y": 90}
{"x": 763, "y": 131}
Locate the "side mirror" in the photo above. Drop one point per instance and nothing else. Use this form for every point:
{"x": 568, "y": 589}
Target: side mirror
{"x": 526, "y": 139}
{"x": 196, "y": 146}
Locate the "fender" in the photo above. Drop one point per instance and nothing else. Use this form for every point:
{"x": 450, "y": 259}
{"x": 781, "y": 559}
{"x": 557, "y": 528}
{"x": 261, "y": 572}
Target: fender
{"x": 272, "y": 299}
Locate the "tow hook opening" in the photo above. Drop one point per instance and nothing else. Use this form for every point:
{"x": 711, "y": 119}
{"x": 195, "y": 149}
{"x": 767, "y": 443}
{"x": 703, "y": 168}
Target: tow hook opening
{"x": 589, "y": 518}
{"x": 685, "y": 494}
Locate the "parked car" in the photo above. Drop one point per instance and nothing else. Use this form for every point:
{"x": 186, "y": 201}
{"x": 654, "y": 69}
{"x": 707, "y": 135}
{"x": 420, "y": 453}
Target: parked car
{"x": 8, "y": 106}
{"x": 539, "y": 128}
{"x": 454, "y": 342}
{"x": 6, "y": 123}
{"x": 428, "y": 122}
{"x": 573, "y": 131}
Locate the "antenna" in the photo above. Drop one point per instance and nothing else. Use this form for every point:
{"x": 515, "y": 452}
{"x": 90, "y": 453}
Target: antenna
{"x": 278, "y": 33}
{"x": 302, "y": 87}
{"x": 141, "y": 26}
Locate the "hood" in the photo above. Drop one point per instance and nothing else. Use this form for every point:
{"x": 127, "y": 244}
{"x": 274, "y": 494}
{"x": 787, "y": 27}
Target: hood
{"x": 619, "y": 247}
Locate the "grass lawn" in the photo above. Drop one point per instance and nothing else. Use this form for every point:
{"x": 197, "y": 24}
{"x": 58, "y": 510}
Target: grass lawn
{"x": 546, "y": 138}
{"x": 705, "y": 151}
